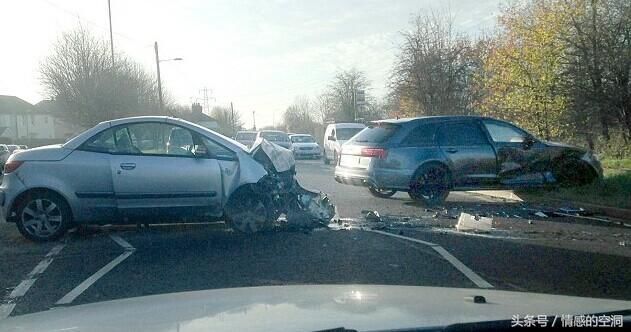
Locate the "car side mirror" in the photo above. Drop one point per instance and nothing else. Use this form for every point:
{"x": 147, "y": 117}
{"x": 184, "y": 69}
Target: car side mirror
{"x": 528, "y": 142}
{"x": 331, "y": 138}
{"x": 200, "y": 151}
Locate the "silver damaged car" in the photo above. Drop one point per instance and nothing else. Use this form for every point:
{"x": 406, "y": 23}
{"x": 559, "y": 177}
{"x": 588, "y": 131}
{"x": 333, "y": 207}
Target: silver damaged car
{"x": 150, "y": 170}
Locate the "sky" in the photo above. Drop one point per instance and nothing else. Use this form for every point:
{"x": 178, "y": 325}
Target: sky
{"x": 259, "y": 55}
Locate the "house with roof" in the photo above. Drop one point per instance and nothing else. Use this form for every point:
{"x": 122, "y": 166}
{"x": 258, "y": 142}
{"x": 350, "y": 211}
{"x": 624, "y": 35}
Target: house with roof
{"x": 21, "y": 122}
{"x": 199, "y": 117}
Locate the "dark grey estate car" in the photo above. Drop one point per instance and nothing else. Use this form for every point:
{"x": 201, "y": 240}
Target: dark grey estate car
{"x": 429, "y": 156}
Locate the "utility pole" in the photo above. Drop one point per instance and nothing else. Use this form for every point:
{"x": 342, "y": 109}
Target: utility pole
{"x": 155, "y": 46}
{"x": 234, "y": 131}
{"x": 109, "y": 11}
{"x": 253, "y": 121}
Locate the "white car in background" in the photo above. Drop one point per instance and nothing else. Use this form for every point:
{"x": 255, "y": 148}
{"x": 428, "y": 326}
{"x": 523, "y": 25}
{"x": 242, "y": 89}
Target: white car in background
{"x": 335, "y": 135}
{"x": 304, "y": 145}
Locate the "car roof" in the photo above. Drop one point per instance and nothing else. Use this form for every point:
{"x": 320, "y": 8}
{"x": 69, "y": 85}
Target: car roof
{"x": 272, "y": 131}
{"x": 76, "y": 141}
{"x": 301, "y": 135}
{"x": 246, "y": 132}
{"x": 347, "y": 125}
{"x": 434, "y": 118}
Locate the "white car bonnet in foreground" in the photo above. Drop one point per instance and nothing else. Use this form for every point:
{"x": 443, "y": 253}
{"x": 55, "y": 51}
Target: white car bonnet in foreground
{"x": 305, "y": 308}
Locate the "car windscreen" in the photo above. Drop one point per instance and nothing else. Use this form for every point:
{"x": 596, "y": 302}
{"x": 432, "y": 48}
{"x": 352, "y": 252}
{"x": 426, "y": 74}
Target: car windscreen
{"x": 344, "y": 134}
{"x": 302, "y": 139}
{"x": 246, "y": 136}
{"x": 376, "y": 133}
{"x": 275, "y": 137}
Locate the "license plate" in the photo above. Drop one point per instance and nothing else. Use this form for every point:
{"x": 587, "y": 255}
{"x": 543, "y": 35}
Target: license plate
{"x": 354, "y": 161}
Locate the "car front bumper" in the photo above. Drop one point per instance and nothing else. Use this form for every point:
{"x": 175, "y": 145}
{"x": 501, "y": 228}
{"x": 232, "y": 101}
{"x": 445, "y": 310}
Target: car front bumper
{"x": 11, "y": 187}
{"x": 307, "y": 153}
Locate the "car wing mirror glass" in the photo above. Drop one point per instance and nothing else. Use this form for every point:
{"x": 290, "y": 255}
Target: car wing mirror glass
{"x": 528, "y": 142}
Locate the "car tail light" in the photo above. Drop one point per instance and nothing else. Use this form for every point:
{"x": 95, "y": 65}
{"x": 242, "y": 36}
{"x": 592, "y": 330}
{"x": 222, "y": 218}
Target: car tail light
{"x": 375, "y": 152}
{"x": 12, "y": 166}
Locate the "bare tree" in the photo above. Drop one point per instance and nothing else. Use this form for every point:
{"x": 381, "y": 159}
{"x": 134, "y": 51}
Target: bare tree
{"x": 300, "y": 117}
{"x": 79, "y": 74}
{"x": 227, "y": 121}
{"x": 432, "y": 73}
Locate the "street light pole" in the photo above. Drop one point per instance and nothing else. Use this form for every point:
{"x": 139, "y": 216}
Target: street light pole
{"x": 155, "y": 46}
{"x": 109, "y": 11}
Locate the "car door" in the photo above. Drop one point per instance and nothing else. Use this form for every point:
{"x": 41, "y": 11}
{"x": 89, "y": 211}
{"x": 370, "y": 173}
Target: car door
{"x": 157, "y": 174}
{"x": 470, "y": 155}
{"x": 521, "y": 159}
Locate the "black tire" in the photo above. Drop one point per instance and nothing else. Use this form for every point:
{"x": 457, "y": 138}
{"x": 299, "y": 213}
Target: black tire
{"x": 246, "y": 212}
{"x": 335, "y": 161}
{"x": 325, "y": 159}
{"x": 381, "y": 193}
{"x": 43, "y": 216}
{"x": 430, "y": 185}
{"x": 572, "y": 172}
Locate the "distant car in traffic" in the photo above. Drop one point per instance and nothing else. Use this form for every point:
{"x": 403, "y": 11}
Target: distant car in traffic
{"x": 13, "y": 147}
{"x": 276, "y": 137}
{"x": 246, "y": 138}
{"x": 335, "y": 136}
{"x": 4, "y": 154}
{"x": 305, "y": 146}
{"x": 23, "y": 147}
{"x": 429, "y": 156}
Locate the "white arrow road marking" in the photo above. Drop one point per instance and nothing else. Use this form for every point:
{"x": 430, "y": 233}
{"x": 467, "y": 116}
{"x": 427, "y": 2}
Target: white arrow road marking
{"x": 474, "y": 277}
{"x": 73, "y": 294}
{"x": 20, "y": 290}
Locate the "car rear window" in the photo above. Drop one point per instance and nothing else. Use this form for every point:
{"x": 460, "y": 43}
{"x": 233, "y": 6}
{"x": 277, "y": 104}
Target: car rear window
{"x": 275, "y": 137}
{"x": 376, "y": 133}
{"x": 246, "y": 136}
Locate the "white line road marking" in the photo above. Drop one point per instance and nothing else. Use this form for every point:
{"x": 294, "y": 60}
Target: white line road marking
{"x": 404, "y": 238}
{"x": 121, "y": 242}
{"x": 462, "y": 268}
{"x": 73, "y": 294}
{"x": 6, "y": 309}
{"x": 474, "y": 277}
{"x": 23, "y": 287}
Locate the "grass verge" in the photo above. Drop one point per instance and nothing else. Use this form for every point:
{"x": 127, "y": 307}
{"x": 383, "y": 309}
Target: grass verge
{"x": 614, "y": 190}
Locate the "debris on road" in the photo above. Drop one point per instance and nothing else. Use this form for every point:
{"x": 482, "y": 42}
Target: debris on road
{"x": 372, "y": 216}
{"x": 258, "y": 206}
{"x": 467, "y": 222}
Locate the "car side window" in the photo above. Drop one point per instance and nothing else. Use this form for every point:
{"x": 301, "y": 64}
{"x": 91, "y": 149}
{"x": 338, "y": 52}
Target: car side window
{"x": 504, "y": 133}
{"x": 423, "y": 135}
{"x": 217, "y": 151}
{"x": 461, "y": 134}
{"x": 102, "y": 142}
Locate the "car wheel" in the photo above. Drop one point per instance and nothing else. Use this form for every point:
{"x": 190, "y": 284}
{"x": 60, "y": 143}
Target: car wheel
{"x": 572, "y": 172}
{"x": 381, "y": 193}
{"x": 335, "y": 161}
{"x": 247, "y": 213}
{"x": 325, "y": 159}
{"x": 43, "y": 216}
{"x": 430, "y": 185}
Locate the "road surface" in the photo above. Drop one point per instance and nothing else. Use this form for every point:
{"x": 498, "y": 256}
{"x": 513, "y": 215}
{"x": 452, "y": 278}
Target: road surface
{"x": 99, "y": 264}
